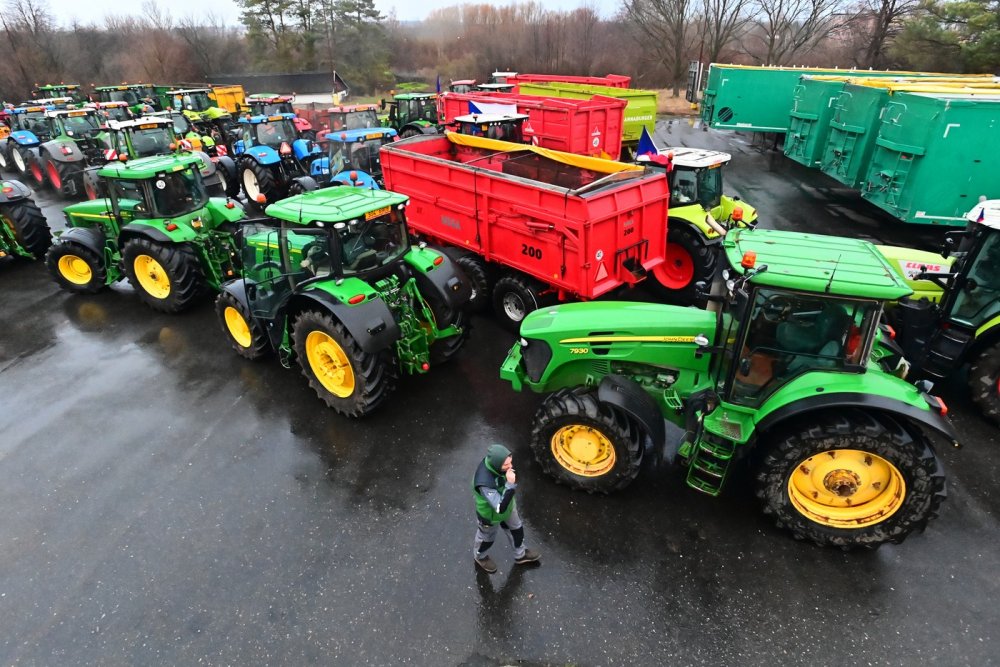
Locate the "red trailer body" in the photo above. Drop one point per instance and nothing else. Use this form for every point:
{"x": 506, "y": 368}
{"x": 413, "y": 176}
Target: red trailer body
{"x": 579, "y": 226}
{"x": 585, "y": 127}
{"x": 613, "y": 80}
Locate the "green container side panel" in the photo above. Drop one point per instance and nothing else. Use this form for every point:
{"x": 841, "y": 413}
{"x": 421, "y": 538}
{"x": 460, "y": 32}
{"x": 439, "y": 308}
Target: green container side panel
{"x": 809, "y": 124}
{"x": 757, "y": 99}
{"x": 935, "y": 156}
{"x": 640, "y": 110}
{"x": 853, "y": 130}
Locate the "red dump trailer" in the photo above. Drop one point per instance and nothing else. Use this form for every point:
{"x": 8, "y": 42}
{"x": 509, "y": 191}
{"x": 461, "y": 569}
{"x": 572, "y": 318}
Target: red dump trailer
{"x": 529, "y": 224}
{"x": 585, "y": 127}
{"x": 613, "y": 80}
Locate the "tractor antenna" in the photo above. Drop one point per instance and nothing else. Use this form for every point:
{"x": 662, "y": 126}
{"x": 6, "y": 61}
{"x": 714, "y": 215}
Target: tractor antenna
{"x": 832, "y": 274}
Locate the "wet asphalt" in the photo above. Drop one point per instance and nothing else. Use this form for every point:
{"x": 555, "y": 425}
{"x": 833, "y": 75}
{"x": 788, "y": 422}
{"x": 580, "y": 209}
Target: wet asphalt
{"x": 167, "y": 503}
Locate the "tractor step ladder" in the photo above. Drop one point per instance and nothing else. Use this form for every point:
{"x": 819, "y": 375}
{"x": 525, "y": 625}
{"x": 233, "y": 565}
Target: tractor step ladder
{"x": 710, "y": 465}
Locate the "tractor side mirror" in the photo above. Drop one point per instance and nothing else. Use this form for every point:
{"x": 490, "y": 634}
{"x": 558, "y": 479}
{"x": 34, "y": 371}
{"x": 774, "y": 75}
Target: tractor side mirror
{"x": 949, "y": 245}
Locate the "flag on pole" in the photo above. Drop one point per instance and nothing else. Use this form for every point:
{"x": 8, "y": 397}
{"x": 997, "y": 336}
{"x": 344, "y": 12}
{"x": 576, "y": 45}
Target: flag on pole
{"x": 646, "y": 145}
{"x": 439, "y": 84}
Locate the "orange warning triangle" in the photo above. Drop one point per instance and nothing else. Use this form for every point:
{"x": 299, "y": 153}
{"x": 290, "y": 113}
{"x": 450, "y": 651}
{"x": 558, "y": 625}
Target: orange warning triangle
{"x": 602, "y": 272}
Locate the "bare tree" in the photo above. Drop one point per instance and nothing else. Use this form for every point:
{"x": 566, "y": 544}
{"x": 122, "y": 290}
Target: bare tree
{"x": 721, "y": 22}
{"x": 664, "y": 23}
{"x": 784, "y": 28}
{"x": 876, "y": 25}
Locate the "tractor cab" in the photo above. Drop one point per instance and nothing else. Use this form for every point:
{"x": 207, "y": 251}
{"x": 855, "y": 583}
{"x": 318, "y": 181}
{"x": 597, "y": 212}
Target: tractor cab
{"x": 30, "y": 119}
{"x": 116, "y": 111}
{"x": 272, "y": 131}
{"x": 76, "y": 124}
{"x": 505, "y": 127}
{"x": 197, "y": 105}
{"x": 272, "y": 160}
{"x": 502, "y": 77}
{"x": 355, "y": 117}
{"x": 139, "y": 97}
{"x": 462, "y": 86}
{"x": 155, "y": 187}
{"x": 53, "y": 102}
{"x": 268, "y": 104}
{"x": 411, "y": 114}
{"x": 354, "y": 157}
{"x": 495, "y": 87}
{"x": 70, "y": 90}
{"x": 142, "y": 137}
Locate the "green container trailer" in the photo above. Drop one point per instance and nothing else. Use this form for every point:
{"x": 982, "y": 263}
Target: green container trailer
{"x": 853, "y": 129}
{"x": 809, "y": 122}
{"x": 935, "y": 156}
{"x": 640, "y": 110}
{"x": 757, "y": 99}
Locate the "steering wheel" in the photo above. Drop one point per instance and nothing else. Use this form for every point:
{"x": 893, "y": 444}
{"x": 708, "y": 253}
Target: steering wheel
{"x": 776, "y": 307}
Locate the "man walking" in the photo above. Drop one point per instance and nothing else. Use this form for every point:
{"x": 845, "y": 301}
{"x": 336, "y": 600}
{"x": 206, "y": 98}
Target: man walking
{"x": 493, "y": 489}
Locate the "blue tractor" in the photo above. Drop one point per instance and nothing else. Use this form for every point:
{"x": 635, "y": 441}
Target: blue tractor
{"x": 353, "y": 156}
{"x": 272, "y": 161}
{"x": 29, "y": 128}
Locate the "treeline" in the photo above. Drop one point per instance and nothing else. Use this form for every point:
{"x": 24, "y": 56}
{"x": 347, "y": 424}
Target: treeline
{"x": 651, "y": 40}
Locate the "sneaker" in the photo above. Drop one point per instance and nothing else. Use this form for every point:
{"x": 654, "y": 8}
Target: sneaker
{"x": 529, "y": 556}
{"x": 487, "y": 564}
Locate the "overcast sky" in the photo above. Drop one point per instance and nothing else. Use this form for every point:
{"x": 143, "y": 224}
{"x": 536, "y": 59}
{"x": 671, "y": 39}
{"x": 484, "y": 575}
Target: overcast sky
{"x": 94, "y": 11}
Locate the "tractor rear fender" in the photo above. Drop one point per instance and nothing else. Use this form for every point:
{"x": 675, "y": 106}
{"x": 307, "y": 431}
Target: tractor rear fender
{"x": 361, "y": 179}
{"x": 264, "y": 155}
{"x": 303, "y": 148}
{"x": 809, "y": 407}
{"x": 308, "y": 183}
{"x": 227, "y": 165}
{"x": 207, "y": 166}
{"x": 62, "y": 150}
{"x": 89, "y": 237}
{"x": 139, "y": 230}
{"x": 370, "y": 323}
{"x": 13, "y": 191}
{"x": 25, "y": 138}
{"x": 444, "y": 281}
{"x": 629, "y": 397}
{"x": 986, "y": 336}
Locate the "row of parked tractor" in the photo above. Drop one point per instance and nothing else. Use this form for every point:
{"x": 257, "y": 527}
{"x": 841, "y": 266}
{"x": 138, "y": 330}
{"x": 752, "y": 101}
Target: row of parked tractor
{"x": 808, "y": 360}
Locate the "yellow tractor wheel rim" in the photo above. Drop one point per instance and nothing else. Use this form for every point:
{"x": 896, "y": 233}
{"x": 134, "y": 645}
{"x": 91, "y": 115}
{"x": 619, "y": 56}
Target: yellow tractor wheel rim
{"x": 237, "y": 327}
{"x": 846, "y": 488}
{"x": 152, "y": 278}
{"x": 75, "y": 269}
{"x": 330, "y": 364}
{"x": 583, "y": 450}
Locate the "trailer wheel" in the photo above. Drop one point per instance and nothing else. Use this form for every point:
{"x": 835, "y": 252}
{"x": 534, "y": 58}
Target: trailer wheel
{"x": 852, "y": 479}
{"x": 29, "y": 226}
{"x": 475, "y": 270}
{"x": 984, "y": 382}
{"x": 243, "y": 331}
{"x": 444, "y": 349}
{"x": 513, "y": 298}
{"x": 168, "y": 278}
{"x": 689, "y": 260}
{"x": 76, "y": 268}
{"x": 348, "y": 379}
{"x": 586, "y": 444}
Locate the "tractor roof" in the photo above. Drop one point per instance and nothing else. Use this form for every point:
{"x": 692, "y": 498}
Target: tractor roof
{"x": 360, "y": 134}
{"x": 816, "y": 263}
{"x": 498, "y": 87}
{"x": 352, "y": 108}
{"x": 339, "y": 204}
{"x": 269, "y": 97}
{"x": 149, "y": 167}
{"x": 143, "y": 123}
{"x": 986, "y": 213}
{"x": 464, "y": 82}
{"x": 415, "y": 96}
{"x": 32, "y": 109}
{"x": 696, "y": 158}
{"x": 491, "y": 117}
{"x": 181, "y": 91}
{"x": 254, "y": 120}
{"x": 124, "y": 86}
{"x": 106, "y": 105}
{"x": 53, "y": 113}
{"x": 58, "y": 86}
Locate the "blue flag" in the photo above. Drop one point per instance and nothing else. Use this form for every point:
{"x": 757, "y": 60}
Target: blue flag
{"x": 439, "y": 84}
{"x": 646, "y": 145}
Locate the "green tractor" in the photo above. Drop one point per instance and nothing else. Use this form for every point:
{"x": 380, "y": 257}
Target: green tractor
{"x": 411, "y": 114}
{"x": 779, "y": 375}
{"x": 953, "y": 317}
{"x": 141, "y": 98}
{"x": 330, "y": 279}
{"x": 699, "y": 217}
{"x": 70, "y": 141}
{"x": 197, "y": 105}
{"x": 58, "y": 90}
{"x": 24, "y": 231}
{"x": 157, "y": 226}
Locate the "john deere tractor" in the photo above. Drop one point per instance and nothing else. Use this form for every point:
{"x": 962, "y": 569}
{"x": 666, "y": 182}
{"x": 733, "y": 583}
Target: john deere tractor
{"x": 76, "y": 142}
{"x": 330, "y": 280}
{"x": 24, "y": 231}
{"x": 272, "y": 161}
{"x": 779, "y": 376}
{"x": 953, "y": 317}
{"x": 700, "y": 214}
{"x": 411, "y": 114}
{"x": 157, "y": 226}
{"x": 70, "y": 90}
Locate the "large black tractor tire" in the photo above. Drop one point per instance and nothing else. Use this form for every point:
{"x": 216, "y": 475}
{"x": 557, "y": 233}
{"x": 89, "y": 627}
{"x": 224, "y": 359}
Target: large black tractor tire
{"x": 229, "y": 173}
{"x": 348, "y": 379}
{"x": 76, "y": 268}
{"x": 60, "y": 175}
{"x": 444, "y": 349}
{"x": 244, "y": 332}
{"x": 984, "y": 382}
{"x": 258, "y": 179}
{"x": 93, "y": 187}
{"x": 475, "y": 270}
{"x": 168, "y": 278}
{"x": 20, "y": 159}
{"x": 586, "y": 444}
{"x": 36, "y": 171}
{"x": 409, "y": 132}
{"x": 689, "y": 260}
{"x": 515, "y": 296}
{"x": 4, "y": 158}
{"x": 850, "y": 479}
{"x": 30, "y": 228}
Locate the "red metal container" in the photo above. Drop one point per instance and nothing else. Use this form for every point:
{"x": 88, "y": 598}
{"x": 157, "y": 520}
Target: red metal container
{"x": 581, "y": 226}
{"x": 585, "y": 127}
{"x": 613, "y": 80}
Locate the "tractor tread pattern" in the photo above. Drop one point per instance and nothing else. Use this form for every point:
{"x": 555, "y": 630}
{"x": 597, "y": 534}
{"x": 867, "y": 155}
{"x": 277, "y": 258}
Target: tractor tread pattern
{"x": 187, "y": 281}
{"x": 475, "y": 271}
{"x": 984, "y": 382}
{"x": 31, "y": 229}
{"x": 96, "y": 263}
{"x": 260, "y": 345}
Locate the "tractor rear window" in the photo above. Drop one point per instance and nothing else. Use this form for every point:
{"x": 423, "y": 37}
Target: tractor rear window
{"x": 354, "y": 120}
{"x": 275, "y": 133}
{"x": 81, "y": 125}
{"x": 155, "y": 141}
{"x": 178, "y": 193}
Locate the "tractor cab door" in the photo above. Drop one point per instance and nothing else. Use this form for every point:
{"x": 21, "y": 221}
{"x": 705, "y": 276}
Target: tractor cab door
{"x": 788, "y": 334}
{"x": 977, "y": 297}
{"x": 276, "y": 260}
{"x": 683, "y": 187}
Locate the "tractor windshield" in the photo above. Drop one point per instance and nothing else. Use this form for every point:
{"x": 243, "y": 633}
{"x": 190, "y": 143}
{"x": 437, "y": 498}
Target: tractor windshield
{"x": 153, "y": 140}
{"x": 373, "y": 243}
{"x": 182, "y": 126}
{"x": 178, "y": 193}
{"x": 197, "y": 101}
{"x": 359, "y": 155}
{"x": 421, "y": 108}
{"x": 353, "y": 120}
{"x": 274, "y": 133}
{"x": 695, "y": 186}
{"x": 978, "y": 299}
{"x": 116, "y": 113}
{"x": 126, "y": 96}
{"x": 710, "y": 187}
{"x": 269, "y": 109}
{"x": 82, "y": 125}
{"x": 33, "y": 122}
{"x": 789, "y": 333}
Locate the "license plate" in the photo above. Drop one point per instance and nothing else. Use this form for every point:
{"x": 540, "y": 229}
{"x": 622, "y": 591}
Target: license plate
{"x": 377, "y": 212}
{"x": 148, "y": 126}
{"x": 374, "y": 135}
